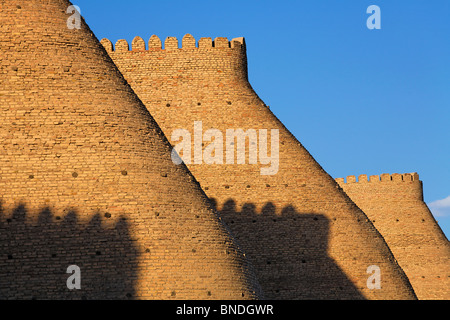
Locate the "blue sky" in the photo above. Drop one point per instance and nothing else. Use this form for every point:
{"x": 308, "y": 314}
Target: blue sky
{"x": 361, "y": 101}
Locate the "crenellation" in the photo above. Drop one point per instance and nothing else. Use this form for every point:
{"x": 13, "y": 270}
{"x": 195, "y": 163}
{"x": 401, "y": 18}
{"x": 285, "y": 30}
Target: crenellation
{"x": 171, "y": 43}
{"x": 221, "y": 42}
{"x": 407, "y": 177}
{"x": 122, "y": 46}
{"x": 138, "y": 44}
{"x": 107, "y": 45}
{"x": 205, "y": 43}
{"x": 188, "y": 42}
{"x": 238, "y": 42}
{"x": 362, "y": 178}
{"x": 154, "y": 43}
{"x": 385, "y": 177}
{"x": 340, "y": 180}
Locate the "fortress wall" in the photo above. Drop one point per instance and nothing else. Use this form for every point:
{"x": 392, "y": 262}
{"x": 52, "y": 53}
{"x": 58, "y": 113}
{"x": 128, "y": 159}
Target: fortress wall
{"x": 86, "y": 179}
{"x": 305, "y": 237}
{"x": 211, "y": 66}
{"x": 394, "y": 203}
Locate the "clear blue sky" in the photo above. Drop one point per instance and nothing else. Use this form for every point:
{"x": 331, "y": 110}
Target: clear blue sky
{"x": 361, "y": 101}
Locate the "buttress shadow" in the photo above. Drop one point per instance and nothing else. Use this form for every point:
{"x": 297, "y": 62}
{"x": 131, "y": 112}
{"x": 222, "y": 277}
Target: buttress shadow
{"x": 289, "y": 252}
{"x": 34, "y": 257}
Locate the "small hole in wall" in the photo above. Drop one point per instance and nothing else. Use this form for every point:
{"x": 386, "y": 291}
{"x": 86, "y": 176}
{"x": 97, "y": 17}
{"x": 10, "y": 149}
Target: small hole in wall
{"x": 10, "y": 257}
{"x": 315, "y": 218}
{"x": 31, "y": 176}
{"x": 199, "y": 104}
{"x": 98, "y": 253}
{"x": 268, "y": 185}
{"x": 8, "y": 220}
{"x": 303, "y": 261}
{"x": 209, "y": 294}
{"x": 173, "y": 293}
{"x": 124, "y": 173}
{"x": 15, "y": 69}
{"x": 194, "y": 251}
{"x": 168, "y": 105}
{"x": 147, "y": 250}
{"x": 58, "y": 218}
{"x": 107, "y": 215}
{"x": 229, "y": 102}
{"x": 75, "y": 175}
{"x": 18, "y": 7}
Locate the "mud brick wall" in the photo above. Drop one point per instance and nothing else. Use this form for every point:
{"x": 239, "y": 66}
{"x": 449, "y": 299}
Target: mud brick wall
{"x": 86, "y": 178}
{"x": 394, "y": 203}
{"x": 303, "y": 234}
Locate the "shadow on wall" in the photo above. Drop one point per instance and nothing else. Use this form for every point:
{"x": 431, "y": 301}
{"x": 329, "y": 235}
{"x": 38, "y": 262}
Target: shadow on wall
{"x": 288, "y": 252}
{"x": 34, "y": 257}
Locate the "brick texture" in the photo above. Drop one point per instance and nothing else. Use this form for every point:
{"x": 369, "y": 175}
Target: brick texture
{"x": 394, "y": 203}
{"x": 86, "y": 178}
{"x": 305, "y": 237}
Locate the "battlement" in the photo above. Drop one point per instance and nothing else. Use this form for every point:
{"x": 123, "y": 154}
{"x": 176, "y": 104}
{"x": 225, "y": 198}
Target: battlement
{"x": 385, "y": 177}
{"x": 171, "y": 44}
{"x": 384, "y": 187}
{"x": 213, "y": 67}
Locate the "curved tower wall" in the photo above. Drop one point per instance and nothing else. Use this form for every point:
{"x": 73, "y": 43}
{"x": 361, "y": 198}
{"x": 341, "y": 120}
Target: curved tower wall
{"x": 86, "y": 178}
{"x": 303, "y": 234}
{"x": 394, "y": 203}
